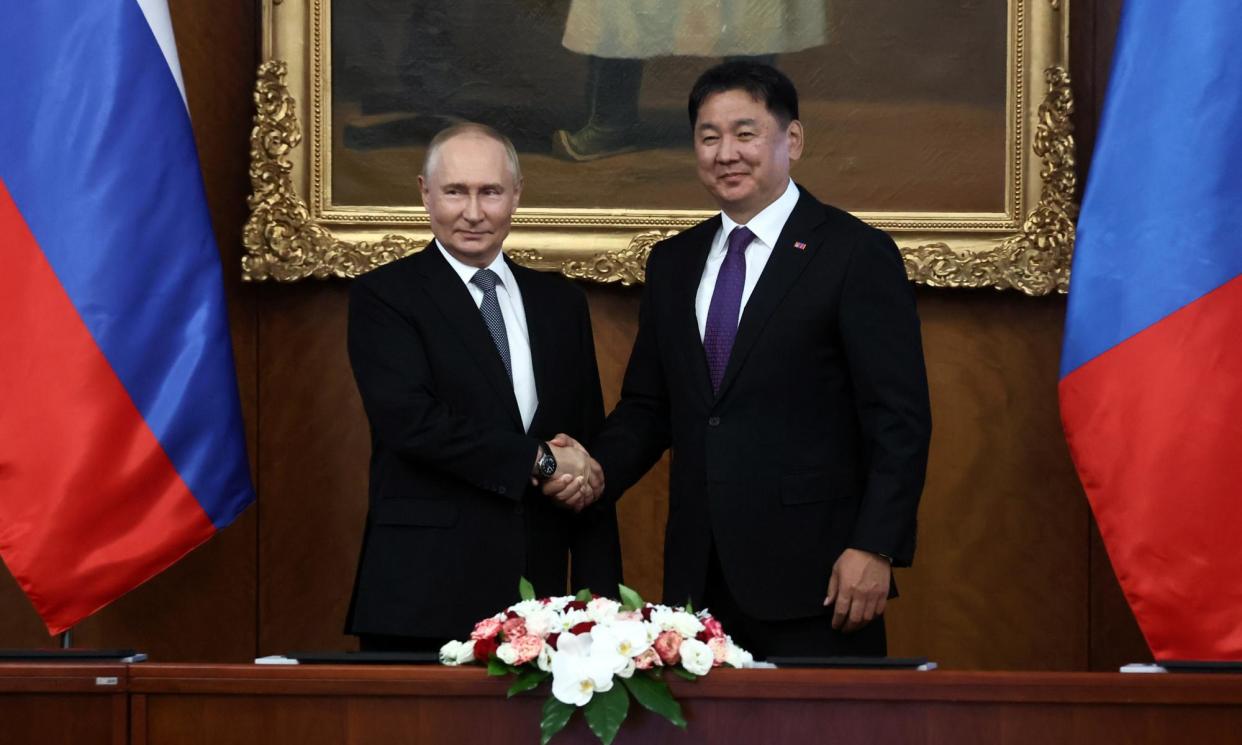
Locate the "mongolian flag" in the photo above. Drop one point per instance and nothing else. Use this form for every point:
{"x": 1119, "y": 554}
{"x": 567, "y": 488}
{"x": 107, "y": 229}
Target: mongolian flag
{"x": 121, "y": 443}
{"x": 1151, "y": 370}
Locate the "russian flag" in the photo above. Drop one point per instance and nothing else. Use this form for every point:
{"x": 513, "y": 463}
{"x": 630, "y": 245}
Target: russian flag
{"x": 1151, "y": 370}
{"x": 121, "y": 444}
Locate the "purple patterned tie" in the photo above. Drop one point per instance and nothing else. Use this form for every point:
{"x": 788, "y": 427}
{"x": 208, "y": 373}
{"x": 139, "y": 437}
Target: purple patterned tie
{"x": 726, "y": 306}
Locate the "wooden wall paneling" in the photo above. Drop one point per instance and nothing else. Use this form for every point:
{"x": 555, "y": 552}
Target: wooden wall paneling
{"x": 315, "y": 446}
{"x": 1000, "y": 577}
{"x": 1114, "y": 633}
{"x": 644, "y": 508}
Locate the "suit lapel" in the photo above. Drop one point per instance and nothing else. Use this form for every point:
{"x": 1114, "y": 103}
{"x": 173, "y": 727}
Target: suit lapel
{"x": 784, "y": 267}
{"x": 466, "y": 323}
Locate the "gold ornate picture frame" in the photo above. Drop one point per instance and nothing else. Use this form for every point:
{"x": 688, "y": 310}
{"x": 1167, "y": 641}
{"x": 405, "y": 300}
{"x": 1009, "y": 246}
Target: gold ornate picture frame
{"x": 298, "y": 230}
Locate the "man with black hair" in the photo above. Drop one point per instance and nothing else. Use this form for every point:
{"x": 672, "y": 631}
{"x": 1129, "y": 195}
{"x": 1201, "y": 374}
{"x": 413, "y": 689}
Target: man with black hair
{"x": 779, "y": 356}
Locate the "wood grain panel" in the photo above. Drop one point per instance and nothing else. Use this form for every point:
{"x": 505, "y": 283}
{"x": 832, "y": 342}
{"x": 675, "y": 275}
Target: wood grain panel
{"x": 644, "y": 508}
{"x": 1000, "y": 579}
{"x": 204, "y": 704}
{"x": 1115, "y": 637}
{"x": 315, "y": 446}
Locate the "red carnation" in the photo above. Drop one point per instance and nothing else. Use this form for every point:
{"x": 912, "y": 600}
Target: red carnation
{"x": 485, "y": 648}
{"x": 647, "y": 612}
{"x": 575, "y": 605}
{"x": 551, "y": 640}
{"x": 583, "y": 627}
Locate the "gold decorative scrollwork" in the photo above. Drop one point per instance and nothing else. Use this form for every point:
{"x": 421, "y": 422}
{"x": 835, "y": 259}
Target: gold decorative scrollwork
{"x": 1036, "y": 260}
{"x": 627, "y": 266}
{"x": 282, "y": 241}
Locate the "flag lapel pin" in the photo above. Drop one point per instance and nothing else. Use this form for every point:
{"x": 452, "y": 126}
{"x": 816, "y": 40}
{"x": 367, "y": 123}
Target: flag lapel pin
{"x": 800, "y": 245}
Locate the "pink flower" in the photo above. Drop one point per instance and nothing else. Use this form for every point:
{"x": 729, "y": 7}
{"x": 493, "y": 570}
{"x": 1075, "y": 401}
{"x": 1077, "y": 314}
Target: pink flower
{"x": 720, "y": 649}
{"x": 485, "y": 629}
{"x": 527, "y": 647}
{"x": 629, "y": 615}
{"x": 668, "y": 646}
{"x": 648, "y": 659}
{"x": 713, "y": 627}
{"x": 514, "y": 628}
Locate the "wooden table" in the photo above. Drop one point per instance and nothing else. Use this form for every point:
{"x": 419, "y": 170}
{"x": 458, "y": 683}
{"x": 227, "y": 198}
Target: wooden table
{"x": 157, "y": 704}
{"x": 346, "y": 704}
{"x": 56, "y": 703}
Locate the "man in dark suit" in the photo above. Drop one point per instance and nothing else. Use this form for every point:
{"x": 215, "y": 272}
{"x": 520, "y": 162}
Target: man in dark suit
{"x": 466, "y": 364}
{"x": 779, "y": 356}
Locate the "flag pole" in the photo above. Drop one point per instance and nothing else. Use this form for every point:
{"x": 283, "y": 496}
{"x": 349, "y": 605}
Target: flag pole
{"x": 66, "y": 639}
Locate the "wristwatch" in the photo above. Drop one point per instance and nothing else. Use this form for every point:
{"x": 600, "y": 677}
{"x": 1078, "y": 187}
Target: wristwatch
{"x": 545, "y": 465}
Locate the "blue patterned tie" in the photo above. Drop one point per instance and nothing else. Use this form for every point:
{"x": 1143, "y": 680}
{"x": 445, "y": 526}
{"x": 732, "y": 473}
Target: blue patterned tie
{"x": 726, "y": 306}
{"x": 486, "y": 280}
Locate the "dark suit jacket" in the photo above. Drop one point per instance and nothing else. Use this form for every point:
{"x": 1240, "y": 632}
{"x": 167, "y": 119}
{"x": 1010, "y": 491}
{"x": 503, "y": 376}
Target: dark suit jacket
{"x": 453, "y": 521}
{"x": 818, "y": 439}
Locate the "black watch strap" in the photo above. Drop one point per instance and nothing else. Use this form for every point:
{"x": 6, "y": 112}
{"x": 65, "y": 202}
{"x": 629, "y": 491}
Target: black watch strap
{"x": 545, "y": 467}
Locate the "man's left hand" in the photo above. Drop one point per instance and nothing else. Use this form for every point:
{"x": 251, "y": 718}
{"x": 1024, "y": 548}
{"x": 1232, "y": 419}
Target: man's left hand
{"x": 859, "y": 588}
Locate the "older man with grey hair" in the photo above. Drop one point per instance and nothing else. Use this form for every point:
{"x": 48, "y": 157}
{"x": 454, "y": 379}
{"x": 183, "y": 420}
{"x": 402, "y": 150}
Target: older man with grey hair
{"x": 467, "y": 365}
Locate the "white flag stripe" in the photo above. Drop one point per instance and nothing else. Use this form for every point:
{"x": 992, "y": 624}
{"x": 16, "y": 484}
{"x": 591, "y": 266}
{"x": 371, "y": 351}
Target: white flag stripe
{"x": 158, "y": 18}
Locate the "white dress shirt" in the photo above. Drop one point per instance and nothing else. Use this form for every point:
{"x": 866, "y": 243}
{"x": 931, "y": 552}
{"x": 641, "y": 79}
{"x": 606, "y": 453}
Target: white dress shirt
{"x": 509, "y": 295}
{"x": 767, "y": 227}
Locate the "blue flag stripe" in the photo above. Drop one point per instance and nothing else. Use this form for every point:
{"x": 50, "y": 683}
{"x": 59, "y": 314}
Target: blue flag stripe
{"x": 1161, "y": 222}
{"x": 101, "y": 163}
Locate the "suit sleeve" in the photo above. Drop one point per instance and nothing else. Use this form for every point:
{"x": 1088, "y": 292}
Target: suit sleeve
{"x": 595, "y": 543}
{"x": 884, "y": 351}
{"x": 638, "y": 430}
{"x": 390, "y": 365}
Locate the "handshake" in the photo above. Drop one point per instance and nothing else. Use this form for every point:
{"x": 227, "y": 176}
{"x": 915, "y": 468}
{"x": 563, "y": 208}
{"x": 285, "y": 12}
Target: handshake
{"x": 579, "y": 479}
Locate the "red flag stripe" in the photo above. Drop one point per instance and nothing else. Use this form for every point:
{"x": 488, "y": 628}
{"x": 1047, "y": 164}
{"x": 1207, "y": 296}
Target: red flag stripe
{"x": 90, "y": 504}
{"x": 1154, "y": 428}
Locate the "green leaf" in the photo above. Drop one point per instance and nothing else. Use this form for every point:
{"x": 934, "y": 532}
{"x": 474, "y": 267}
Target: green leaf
{"x": 606, "y": 711}
{"x": 655, "y": 697}
{"x": 689, "y": 606}
{"x": 525, "y": 589}
{"x": 630, "y": 600}
{"x": 527, "y": 679}
{"x": 584, "y": 595}
{"x": 681, "y": 672}
{"x": 496, "y": 668}
{"x": 555, "y": 716}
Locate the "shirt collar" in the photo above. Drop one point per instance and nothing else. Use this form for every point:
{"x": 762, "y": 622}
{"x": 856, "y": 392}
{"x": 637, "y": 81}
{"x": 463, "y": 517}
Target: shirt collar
{"x": 768, "y": 224}
{"x": 467, "y": 272}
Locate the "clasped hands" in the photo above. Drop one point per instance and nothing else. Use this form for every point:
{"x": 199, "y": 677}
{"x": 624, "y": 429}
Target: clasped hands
{"x": 579, "y": 479}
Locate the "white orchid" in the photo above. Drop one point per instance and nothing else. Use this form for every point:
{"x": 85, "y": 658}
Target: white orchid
{"x": 626, "y": 638}
{"x": 578, "y": 673}
{"x": 572, "y": 618}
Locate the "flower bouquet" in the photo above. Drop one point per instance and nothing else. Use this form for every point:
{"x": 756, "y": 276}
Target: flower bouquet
{"x": 598, "y": 652}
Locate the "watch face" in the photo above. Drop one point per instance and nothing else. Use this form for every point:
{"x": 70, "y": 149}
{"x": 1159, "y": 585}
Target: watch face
{"x": 547, "y": 465}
